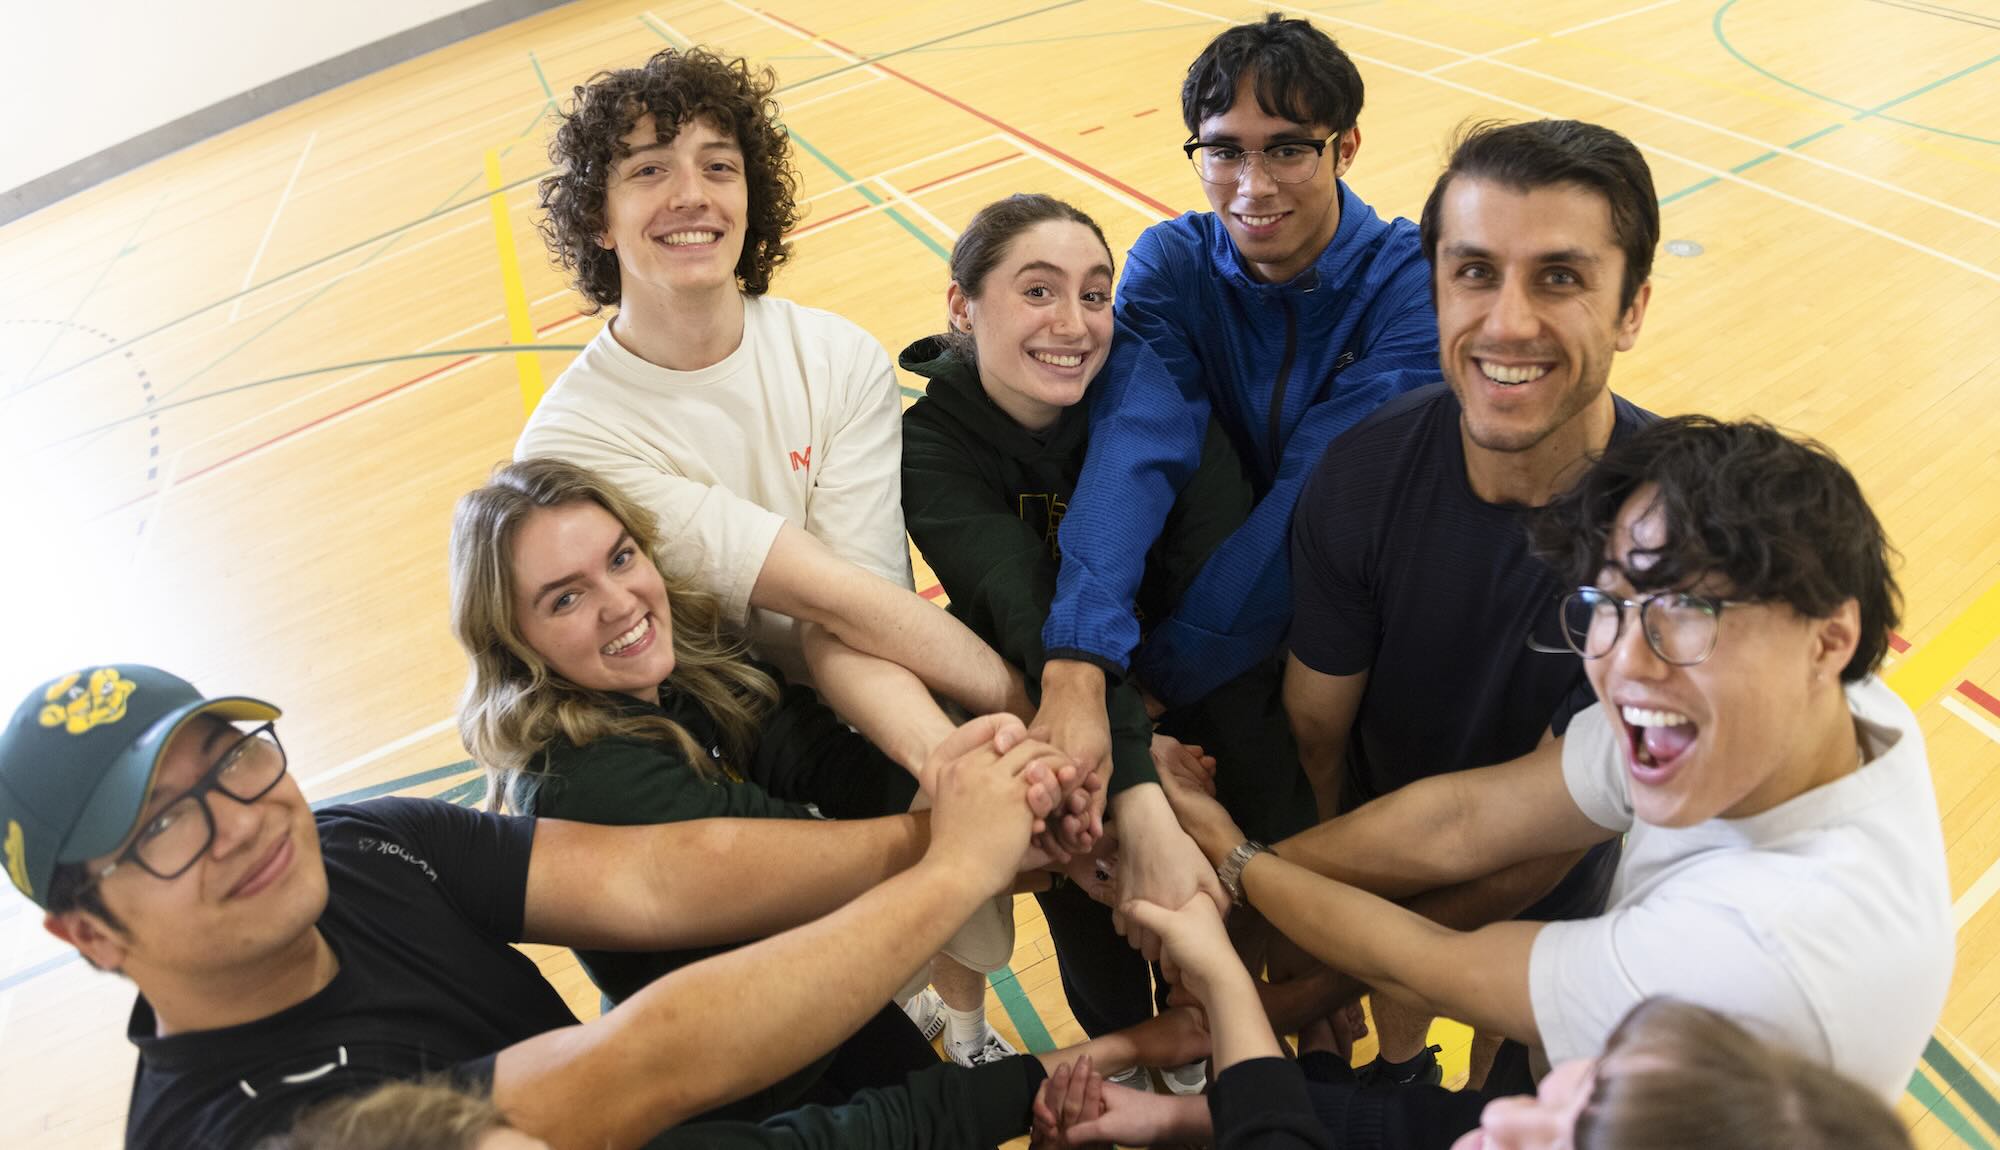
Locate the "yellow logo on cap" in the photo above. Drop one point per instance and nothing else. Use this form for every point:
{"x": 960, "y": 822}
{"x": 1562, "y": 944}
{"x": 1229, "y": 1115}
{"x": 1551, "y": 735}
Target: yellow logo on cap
{"x": 78, "y": 708}
{"x": 17, "y": 858}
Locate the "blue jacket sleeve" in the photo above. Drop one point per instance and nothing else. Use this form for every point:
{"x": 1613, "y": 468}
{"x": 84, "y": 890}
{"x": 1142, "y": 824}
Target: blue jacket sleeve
{"x": 1236, "y": 611}
{"x": 1148, "y": 417}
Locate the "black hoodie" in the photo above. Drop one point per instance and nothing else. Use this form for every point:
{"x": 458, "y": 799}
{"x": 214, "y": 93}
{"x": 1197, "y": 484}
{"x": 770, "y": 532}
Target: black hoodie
{"x": 983, "y": 498}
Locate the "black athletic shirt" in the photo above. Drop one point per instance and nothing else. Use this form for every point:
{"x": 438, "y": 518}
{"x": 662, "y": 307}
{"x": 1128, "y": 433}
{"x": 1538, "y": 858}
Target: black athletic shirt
{"x": 422, "y": 899}
{"x": 1401, "y": 571}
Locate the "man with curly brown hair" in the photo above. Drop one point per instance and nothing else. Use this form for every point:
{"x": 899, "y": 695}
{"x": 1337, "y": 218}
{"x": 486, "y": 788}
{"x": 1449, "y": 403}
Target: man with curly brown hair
{"x": 766, "y": 436}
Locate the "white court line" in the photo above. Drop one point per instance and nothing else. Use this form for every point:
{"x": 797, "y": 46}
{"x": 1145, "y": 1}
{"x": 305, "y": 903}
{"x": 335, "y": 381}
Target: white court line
{"x": 1987, "y": 885}
{"x": 1019, "y": 141}
{"x": 1719, "y": 173}
{"x": 1608, "y": 19}
{"x": 250, "y": 272}
{"x": 951, "y": 151}
{"x": 379, "y": 753}
{"x": 1600, "y": 93}
{"x": 676, "y": 33}
{"x": 896, "y": 195}
{"x": 866, "y": 82}
{"x": 1980, "y": 723}
{"x": 1483, "y": 56}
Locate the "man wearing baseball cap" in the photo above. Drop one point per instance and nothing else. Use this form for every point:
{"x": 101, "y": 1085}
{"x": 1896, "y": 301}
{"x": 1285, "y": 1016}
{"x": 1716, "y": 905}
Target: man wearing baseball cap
{"x": 284, "y": 956}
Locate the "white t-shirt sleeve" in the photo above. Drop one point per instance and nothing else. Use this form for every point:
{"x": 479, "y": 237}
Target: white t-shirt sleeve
{"x": 856, "y": 506}
{"x": 709, "y": 536}
{"x": 1584, "y": 975}
{"x": 1594, "y": 769}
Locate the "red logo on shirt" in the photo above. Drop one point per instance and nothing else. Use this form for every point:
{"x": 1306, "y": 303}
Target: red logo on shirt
{"x": 802, "y": 460}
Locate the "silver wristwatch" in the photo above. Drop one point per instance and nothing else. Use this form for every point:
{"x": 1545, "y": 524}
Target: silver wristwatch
{"x": 1231, "y": 871}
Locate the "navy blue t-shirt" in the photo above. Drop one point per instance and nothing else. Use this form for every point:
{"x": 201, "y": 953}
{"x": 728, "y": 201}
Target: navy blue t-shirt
{"x": 423, "y": 898}
{"x": 1399, "y": 570}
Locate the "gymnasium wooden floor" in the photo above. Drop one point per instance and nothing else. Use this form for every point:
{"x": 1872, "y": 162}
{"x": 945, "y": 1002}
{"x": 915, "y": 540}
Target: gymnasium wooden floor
{"x": 240, "y": 388}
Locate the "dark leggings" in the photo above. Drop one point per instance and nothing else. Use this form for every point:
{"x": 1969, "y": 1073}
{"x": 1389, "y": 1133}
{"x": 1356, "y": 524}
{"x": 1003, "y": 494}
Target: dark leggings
{"x": 1108, "y": 984}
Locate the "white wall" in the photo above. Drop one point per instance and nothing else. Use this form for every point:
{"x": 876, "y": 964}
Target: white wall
{"x": 154, "y": 61}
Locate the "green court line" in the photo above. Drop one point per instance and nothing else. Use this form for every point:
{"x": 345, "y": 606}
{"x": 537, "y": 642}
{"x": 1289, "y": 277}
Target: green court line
{"x": 1963, "y": 1082}
{"x": 467, "y": 793}
{"x": 1746, "y": 165}
{"x": 28, "y": 376}
{"x": 539, "y": 77}
{"x": 868, "y": 194}
{"x": 909, "y": 391}
{"x": 1027, "y": 1023}
{"x": 1722, "y": 38}
{"x": 1933, "y": 1100}
{"x": 388, "y": 786}
{"x": 1037, "y": 42}
{"x": 647, "y": 19}
{"x": 447, "y": 210}
{"x": 827, "y": 161}
{"x": 285, "y": 275}
{"x": 442, "y": 353}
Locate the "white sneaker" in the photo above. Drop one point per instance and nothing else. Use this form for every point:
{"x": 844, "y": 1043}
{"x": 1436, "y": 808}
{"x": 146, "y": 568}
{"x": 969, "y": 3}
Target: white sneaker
{"x": 1134, "y": 1079}
{"x": 1189, "y": 1079}
{"x": 991, "y": 1049}
{"x": 926, "y": 1009}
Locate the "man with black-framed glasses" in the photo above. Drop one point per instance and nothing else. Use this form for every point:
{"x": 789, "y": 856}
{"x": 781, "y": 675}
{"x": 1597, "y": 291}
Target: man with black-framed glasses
{"x": 1783, "y": 860}
{"x": 1289, "y": 311}
{"x": 284, "y": 956}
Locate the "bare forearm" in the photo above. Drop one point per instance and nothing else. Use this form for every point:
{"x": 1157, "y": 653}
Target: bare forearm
{"x": 1496, "y": 897}
{"x": 707, "y": 881}
{"x": 1323, "y": 759}
{"x": 887, "y": 703}
{"x": 1237, "y": 1019}
{"x": 684, "y": 1044}
{"x": 1347, "y": 928}
{"x": 1396, "y": 846}
{"x": 899, "y": 626}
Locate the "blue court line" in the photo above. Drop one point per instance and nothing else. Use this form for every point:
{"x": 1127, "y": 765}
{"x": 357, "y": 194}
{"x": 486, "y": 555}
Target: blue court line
{"x": 1794, "y": 146}
{"x": 1722, "y": 38}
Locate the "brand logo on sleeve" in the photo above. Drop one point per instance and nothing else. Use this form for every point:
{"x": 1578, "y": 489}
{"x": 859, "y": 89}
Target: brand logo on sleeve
{"x": 803, "y": 460}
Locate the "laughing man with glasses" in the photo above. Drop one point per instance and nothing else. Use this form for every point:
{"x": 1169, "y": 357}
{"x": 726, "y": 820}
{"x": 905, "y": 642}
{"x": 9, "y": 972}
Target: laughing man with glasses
{"x": 1783, "y": 861}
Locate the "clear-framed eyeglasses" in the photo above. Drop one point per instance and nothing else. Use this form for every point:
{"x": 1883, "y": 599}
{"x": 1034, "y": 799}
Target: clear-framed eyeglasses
{"x": 1285, "y": 161}
{"x": 171, "y": 841}
{"x": 1680, "y": 626}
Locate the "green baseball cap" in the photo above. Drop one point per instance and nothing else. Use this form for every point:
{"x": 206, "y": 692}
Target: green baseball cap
{"x": 77, "y": 762}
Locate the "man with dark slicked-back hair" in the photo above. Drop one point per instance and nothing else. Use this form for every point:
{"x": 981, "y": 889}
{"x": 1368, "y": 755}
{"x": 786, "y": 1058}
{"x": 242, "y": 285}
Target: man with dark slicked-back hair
{"x": 1422, "y": 639}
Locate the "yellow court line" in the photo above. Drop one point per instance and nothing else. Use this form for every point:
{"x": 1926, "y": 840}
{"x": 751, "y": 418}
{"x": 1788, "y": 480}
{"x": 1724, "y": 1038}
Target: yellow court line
{"x": 1928, "y": 670}
{"x": 520, "y": 328}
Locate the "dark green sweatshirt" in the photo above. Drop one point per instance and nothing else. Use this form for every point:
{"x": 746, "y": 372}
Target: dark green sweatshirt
{"x": 804, "y": 754}
{"x": 983, "y": 498}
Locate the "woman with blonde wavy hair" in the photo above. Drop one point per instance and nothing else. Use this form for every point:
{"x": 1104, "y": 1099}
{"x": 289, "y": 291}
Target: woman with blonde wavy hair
{"x": 601, "y": 690}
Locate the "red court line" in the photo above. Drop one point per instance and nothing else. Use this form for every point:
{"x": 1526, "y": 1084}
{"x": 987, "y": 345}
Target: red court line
{"x": 932, "y": 591}
{"x": 1971, "y": 691}
{"x": 570, "y": 318}
{"x": 1147, "y": 112}
{"x": 995, "y": 121}
{"x": 966, "y": 172}
{"x": 1897, "y": 643}
{"x": 1093, "y": 128}
{"x": 299, "y": 430}
{"x": 836, "y": 216}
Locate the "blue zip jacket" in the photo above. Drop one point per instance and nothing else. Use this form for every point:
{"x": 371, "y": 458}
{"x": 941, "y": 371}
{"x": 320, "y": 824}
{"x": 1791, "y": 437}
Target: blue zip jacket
{"x": 1285, "y": 368}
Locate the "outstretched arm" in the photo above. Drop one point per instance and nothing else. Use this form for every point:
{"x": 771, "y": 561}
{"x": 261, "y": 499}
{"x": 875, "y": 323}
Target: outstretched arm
{"x": 683, "y": 1044}
{"x": 918, "y": 647}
